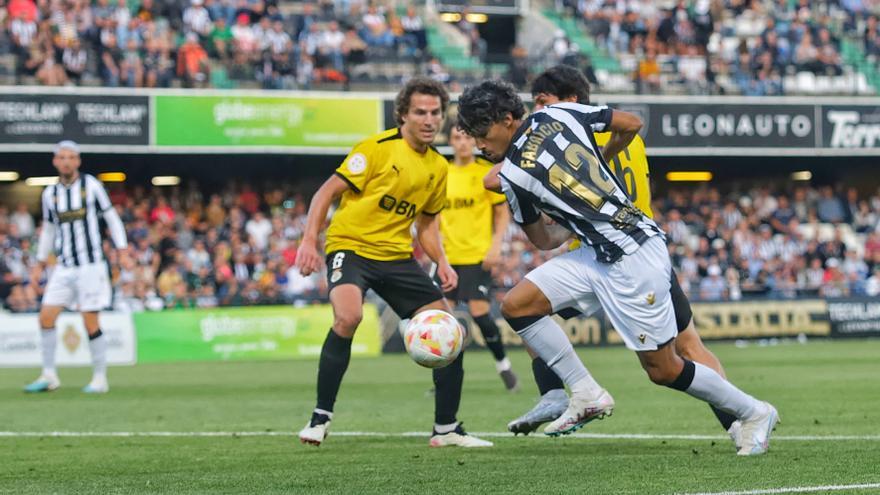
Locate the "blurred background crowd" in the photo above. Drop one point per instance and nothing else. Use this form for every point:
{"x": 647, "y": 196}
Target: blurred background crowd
{"x": 237, "y": 246}
{"x": 751, "y": 47}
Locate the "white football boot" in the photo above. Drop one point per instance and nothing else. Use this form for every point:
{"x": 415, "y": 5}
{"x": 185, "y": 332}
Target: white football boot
{"x": 581, "y": 410}
{"x": 735, "y": 432}
{"x": 755, "y": 436}
{"x": 550, "y": 407}
{"x": 98, "y": 385}
{"x": 316, "y": 430}
{"x": 46, "y": 382}
{"x": 457, "y": 438}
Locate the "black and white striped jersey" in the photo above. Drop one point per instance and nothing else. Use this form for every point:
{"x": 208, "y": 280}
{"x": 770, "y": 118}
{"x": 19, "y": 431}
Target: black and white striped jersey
{"x": 70, "y": 222}
{"x": 555, "y": 166}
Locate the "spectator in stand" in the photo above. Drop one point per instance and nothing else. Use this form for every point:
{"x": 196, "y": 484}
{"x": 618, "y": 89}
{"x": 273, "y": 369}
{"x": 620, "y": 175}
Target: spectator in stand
{"x": 414, "y": 30}
{"x": 648, "y": 74}
{"x": 330, "y": 45}
{"x": 192, "y": 63}
{"x": 376, "y": 31}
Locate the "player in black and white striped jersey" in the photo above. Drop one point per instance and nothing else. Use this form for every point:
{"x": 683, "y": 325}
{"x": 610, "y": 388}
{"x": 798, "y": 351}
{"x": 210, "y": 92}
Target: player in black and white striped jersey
{"x": 79, "y": 279}
{"x": 552, "y": 167}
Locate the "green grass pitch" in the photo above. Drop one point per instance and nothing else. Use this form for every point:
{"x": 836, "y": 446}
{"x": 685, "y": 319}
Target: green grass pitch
{"x": 824, "y": 390}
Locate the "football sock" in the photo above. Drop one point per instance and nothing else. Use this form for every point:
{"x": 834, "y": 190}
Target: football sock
{"x": 48, "y": 339}
{"x": 335, "y": 355}
{"x": 726, "y": 419}
{"x": 447, "y": 391}
{"x": 491, "y": 335}
{"x": 444, "y": 429}
{"x": 705, "y": 384}
{"x": 548, "y": 340}
{"x": 545, "y": 378}
{"x": 98, "y": 348}
{"x": 502, "y": 365}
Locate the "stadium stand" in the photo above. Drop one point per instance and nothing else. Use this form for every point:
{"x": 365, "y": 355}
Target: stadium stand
{"x": 237, "y": 246}
{"x": 708, "y": 46}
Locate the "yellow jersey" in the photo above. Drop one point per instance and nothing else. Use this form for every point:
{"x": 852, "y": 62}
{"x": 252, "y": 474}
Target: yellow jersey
{"x": 390, "y": 184}
{"x": 467, "y": 220}
{"x": 630, "y": 166}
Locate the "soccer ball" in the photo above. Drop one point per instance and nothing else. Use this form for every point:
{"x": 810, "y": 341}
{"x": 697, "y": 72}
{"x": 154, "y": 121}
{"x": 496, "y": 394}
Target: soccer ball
{"x": 433, "y": 338}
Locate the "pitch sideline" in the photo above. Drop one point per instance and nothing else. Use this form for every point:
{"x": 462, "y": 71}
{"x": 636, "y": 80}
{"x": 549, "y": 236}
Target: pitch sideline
{"x": 794, "y": 489}
{"x": 491, "y": 434}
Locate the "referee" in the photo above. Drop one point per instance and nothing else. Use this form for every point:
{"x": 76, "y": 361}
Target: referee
{"x": 79, "y": 280}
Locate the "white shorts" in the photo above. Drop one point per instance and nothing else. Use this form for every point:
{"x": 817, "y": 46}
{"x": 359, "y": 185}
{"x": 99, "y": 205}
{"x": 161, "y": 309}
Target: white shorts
{"x": 634, "y": 291}
{"x": 81, "y": 288}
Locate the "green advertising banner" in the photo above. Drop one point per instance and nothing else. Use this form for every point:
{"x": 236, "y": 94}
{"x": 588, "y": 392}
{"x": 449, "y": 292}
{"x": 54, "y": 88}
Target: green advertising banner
{"x": 280, "y": 121}
{"x": 257, "y": 332}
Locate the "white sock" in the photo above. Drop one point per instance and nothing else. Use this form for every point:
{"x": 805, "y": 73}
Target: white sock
{"x": 98, "y": 347}
{"x": 712, "y": 388}
{"x": 588, "y": 386}
{"x": 502, "y": 365}
{"x": 549, "y": 341}
{"x": 49, "y": 339}
{"x": 444, "y": 429}
{"x": 325, "y": 413}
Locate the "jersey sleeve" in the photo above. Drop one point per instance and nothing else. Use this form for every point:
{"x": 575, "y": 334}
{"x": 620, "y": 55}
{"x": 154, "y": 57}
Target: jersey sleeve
{"x": 358, "y": 165}
{"x": 522, "y": 208}
{"x": 596, "y": 118}
{"x": 438, "y": 198}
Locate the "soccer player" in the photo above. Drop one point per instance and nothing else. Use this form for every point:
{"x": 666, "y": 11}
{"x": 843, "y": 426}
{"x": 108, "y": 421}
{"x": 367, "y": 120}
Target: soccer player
{"x": 552, "y": 168}
{"x": 388, "y": 183}
{"x": 473, "y": 225}
{"x": 564, "y": 83}
{"x": 79, "y": 279}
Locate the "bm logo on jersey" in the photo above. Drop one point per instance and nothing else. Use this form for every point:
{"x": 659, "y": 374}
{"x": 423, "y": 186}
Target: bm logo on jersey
{"x": 399, "y": 207}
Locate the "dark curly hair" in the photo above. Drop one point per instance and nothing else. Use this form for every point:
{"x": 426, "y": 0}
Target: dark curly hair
{"x": 421, "y": 85}
{"x": 563, "y": 81}
{"x": 485, "y": 104}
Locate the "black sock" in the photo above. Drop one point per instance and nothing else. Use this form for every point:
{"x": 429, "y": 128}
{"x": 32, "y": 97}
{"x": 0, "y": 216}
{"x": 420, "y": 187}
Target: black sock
{"x": 725, "y": 418}
{"x": 447, "y": 391}
{"x": 491, "y": 335}
{"x": 545, "y": 377}
{"x": 335, "y": 356}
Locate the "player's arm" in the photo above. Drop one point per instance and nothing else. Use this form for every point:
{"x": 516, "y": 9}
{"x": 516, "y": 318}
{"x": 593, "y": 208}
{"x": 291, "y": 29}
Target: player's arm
{"x": 114, "y": 223}
{"x": 492, "y": 181}
{"x": 624, "y": 127}
{"x": 47, "y": 234}
{"x": 428, "y": 235}
{"x": 308, "y": 259}
{"x": 546, "y": 235}
{"x": 500, "y": 221}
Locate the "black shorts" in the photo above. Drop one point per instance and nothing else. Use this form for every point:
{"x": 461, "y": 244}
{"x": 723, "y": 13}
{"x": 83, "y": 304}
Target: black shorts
{"x": 401, "y": 283}
{"x": 474, "y": 283}
{"x": 680, "y": 304}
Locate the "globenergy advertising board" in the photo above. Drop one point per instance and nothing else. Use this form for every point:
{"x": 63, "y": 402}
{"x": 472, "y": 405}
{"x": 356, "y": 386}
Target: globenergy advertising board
{"x": 20, "y": 340}
{"x": 247, "y": 333}
{"x": 261, "y": 121}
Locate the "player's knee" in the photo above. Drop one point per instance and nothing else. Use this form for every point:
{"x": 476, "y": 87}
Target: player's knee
{"x": 47, "y": 321}
{"x": 662, "y": 375}
{"x": 345, "y": 324}
{"x": 512, "y": 307}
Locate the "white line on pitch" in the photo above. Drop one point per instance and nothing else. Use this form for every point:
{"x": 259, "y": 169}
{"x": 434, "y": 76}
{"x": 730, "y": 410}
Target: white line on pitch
{"x": 796, "y": 489}
{"x": 492, "y": 434}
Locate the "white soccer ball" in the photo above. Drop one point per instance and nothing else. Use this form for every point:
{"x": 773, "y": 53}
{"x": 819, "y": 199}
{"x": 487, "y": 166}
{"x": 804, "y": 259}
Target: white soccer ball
{"x": 433, "y": 338}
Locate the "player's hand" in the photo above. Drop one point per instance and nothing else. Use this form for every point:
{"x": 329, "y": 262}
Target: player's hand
{"x": 492, "y": 259}
{"x": 308, "y": 259}
{"x": 448, "y": 277}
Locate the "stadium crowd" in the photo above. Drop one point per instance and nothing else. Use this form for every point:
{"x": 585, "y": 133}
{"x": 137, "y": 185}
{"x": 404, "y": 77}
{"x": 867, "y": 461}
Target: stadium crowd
{"x": 155, "y": 43}
{"x": 285, "y": 45}
{"x": 238, "y": 246}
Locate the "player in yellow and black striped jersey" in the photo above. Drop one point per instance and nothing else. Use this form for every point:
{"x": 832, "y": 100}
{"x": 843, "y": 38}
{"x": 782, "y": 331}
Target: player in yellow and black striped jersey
{"x": 473, "y": 225}
{"x": 567, "y": 84}
{"x": 389, "y": 183}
